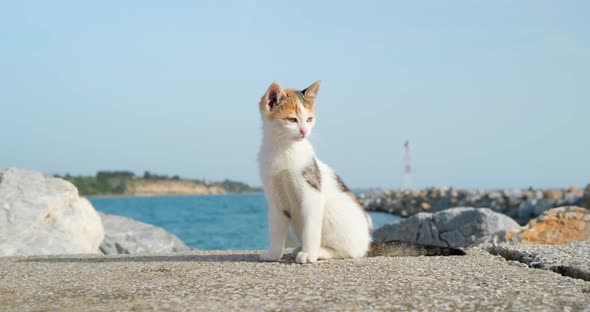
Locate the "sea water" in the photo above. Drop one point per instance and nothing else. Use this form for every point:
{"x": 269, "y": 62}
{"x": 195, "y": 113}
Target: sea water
{"x": 206, "y": 222}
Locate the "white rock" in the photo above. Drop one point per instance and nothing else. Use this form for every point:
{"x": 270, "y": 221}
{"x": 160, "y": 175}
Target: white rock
{"x": 42, "y": 215}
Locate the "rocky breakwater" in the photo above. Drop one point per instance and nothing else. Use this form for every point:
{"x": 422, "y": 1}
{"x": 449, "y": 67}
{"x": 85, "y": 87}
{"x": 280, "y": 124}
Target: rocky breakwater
{"x": 521, "y": 205}
{"x": 586, "y": 197}
{"x": 42, "y": 215}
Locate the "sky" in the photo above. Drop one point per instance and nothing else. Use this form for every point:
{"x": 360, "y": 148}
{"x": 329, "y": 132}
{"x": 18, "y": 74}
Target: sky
{"x": 490, "y": 93}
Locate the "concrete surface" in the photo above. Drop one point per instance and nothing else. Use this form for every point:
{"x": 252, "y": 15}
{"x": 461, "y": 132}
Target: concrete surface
{"x": 235, "y": 280}
{"x": 571, "y": 260}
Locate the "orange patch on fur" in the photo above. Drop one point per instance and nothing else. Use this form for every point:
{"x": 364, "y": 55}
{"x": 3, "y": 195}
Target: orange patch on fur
{"x": 288, "y": 105}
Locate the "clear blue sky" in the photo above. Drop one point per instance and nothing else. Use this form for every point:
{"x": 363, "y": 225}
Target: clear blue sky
{"x": 490, "y": 93}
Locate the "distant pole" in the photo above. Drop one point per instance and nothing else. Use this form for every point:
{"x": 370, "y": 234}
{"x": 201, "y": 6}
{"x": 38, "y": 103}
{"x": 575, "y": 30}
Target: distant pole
{"x": 407, "y": 184}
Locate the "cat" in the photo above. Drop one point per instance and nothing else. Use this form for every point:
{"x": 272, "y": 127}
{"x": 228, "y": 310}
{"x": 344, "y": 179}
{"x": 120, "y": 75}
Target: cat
{"x": 306, "y": 196}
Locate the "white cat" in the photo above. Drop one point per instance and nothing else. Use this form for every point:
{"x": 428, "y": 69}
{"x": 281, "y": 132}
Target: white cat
{"x": 306, "y": 195}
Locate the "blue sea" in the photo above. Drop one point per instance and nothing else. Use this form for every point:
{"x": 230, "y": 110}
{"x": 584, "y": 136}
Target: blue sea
{"x": 206, "y": 222}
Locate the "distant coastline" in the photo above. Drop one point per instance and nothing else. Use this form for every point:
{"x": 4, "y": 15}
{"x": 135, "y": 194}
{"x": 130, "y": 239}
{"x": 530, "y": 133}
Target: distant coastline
{"x": 106, "y": 196}
{"x": 127, "y": 184}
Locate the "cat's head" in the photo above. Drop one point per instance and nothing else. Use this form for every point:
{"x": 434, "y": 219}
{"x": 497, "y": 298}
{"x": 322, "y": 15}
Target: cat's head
{"x": 290, "y": 114}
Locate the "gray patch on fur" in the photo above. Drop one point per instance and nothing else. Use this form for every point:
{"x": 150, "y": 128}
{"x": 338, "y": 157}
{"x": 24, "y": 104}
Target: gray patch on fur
{"x": 312, "y": 175}
{"x": 287, "y": 213}
{"x": 341, "y": 184}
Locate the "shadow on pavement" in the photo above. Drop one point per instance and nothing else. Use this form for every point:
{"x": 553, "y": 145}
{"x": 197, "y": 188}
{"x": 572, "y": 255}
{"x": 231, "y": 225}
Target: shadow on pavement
{"x": 239, "y": 257}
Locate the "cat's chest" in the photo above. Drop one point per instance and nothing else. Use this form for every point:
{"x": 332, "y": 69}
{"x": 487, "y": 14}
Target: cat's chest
{"x": 287, "y": 189}
{"x": 285, "y": 183}
{"x": 273, "y": 164}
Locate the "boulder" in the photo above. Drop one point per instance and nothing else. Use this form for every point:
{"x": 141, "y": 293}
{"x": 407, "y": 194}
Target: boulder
{"x": 556, "y": 226}
{"x": 489, "y": 241}
{"x": 127, "y": 236}
{"x": 43, "y": 215}
{"x": 455, "y": 227}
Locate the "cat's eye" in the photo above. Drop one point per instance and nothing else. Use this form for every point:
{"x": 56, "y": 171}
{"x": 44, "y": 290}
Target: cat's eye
{"x": 309, "y": 119}
{"x": 291, "y": 119}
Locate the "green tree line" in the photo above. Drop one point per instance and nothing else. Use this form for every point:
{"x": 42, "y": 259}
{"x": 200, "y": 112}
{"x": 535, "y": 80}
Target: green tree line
{"x": 120, "y": 183}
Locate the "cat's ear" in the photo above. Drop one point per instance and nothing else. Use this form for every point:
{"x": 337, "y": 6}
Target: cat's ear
{"x": 312, "y": 91}
{"x": 273, "y": 96}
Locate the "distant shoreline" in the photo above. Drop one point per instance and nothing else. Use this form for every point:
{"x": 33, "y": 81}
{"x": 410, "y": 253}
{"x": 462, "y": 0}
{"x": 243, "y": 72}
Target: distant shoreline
{"x": 126, "y": 183}
{"x": 164, "y": 195}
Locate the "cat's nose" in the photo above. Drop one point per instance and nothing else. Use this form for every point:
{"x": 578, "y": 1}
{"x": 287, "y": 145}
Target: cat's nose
{"x": 302, "y": 132}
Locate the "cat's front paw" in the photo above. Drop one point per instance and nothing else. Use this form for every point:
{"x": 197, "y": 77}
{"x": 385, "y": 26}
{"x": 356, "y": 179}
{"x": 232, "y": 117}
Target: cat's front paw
{"x": 269, "y": 255}
{"x": 304, "y": 257}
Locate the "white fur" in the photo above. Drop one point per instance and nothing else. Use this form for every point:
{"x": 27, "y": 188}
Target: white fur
{"x": 328, "y": 223}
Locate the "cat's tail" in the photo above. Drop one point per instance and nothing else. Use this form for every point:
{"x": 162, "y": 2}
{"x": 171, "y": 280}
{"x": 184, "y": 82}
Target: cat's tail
{"x": 396, "y": 248}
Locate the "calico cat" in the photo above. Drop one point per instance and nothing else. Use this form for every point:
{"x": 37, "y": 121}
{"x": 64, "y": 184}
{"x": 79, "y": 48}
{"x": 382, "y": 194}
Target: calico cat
{"x": 306, "y": 195}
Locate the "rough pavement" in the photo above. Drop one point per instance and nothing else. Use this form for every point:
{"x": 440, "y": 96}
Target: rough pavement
{"x": 571, "y": 260}
{"x": 235, "y": 280}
